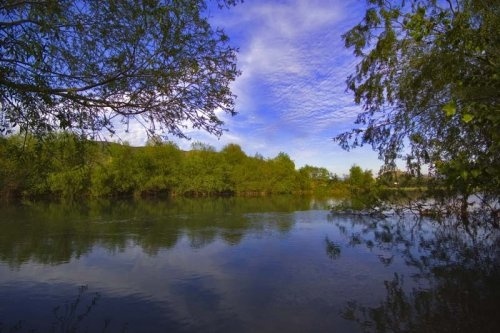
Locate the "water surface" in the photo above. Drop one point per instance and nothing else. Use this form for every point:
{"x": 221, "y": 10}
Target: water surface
{"x": 240, "y": 265}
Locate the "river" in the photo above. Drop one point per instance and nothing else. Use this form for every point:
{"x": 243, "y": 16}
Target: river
{"x": 274, "y": 264}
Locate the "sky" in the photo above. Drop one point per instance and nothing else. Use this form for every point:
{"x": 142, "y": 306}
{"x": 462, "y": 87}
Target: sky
{"x": 291, "y": 95}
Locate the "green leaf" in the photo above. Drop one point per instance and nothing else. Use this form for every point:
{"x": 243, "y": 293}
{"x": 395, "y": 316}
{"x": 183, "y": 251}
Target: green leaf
{"x": 450, "y": 109}
{"x": 467, "y": 117}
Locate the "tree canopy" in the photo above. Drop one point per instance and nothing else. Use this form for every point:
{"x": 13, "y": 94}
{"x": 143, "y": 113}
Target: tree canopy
{"x": 429, "y": 84}
{"x": 67, "y": 64}
{"x": 61, "y": 165}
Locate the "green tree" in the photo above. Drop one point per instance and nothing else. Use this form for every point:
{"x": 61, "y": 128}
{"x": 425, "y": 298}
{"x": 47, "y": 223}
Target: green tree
{"x": 362, "y": 185}
{"x": 429, "y": 80}
{"x": 26, "y": 164}
{"x": 233, "y": 154}
{"x": 319, "y": 178}
{"x": 159, "y": 168}
{"x": 281, "y": 174}
{"x": 68, "y": 64}
{"x": 70, "y": 164}
{"x": 203, "y": 172}
{"x": 233, "y": 157}
{"x": 13, "y": 170}
{"x": 249, "y": 176}
{"x": 362, "y": 192}
{"x": 360, "y": 179}
{"x": 118, "y": 173}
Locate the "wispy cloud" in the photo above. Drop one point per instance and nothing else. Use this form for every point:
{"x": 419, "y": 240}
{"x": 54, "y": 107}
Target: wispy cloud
{"x": 296, "y": 54}
{"x": 292, "y": 93}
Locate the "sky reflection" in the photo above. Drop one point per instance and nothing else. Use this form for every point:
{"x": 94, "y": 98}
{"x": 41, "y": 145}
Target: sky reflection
{"x": 275, "y": 274}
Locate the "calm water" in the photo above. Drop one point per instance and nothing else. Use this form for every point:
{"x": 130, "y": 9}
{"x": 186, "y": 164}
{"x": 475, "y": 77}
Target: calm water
{"x": 240, "y": 265}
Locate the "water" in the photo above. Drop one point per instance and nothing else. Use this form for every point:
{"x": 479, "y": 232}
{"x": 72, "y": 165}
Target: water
{"x": 240, "y": 265}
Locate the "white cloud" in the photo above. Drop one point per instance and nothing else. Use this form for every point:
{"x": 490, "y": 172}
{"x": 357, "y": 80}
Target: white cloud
{"x": 298, "y": 53}
{"x": 291, "y": 94}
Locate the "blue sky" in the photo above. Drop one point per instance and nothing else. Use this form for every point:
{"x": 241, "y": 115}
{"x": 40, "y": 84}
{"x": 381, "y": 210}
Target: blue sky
{"x": 291, "y": 94}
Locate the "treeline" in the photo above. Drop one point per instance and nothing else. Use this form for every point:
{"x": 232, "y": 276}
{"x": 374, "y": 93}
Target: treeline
{"x": 64, "y": 166}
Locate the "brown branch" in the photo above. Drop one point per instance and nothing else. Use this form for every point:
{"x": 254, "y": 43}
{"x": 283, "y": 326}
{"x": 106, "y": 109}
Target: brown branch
{"x": 4, "y": 25}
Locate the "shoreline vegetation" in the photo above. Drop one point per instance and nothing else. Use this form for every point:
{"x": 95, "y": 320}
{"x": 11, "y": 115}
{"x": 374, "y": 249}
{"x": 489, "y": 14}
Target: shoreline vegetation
{"x": 63, "y": 166}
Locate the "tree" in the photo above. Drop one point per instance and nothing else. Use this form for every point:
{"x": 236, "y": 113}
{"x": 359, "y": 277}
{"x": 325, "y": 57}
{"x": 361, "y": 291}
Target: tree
{"x": 203, "y": 171}
{"x": 281, "y": 174}
{"x": 317, "y": 178}
{"x": 158, "y": 168}
{"x": 68, "y": 172}
{"x": 78, "y": 65}
{"x": 360, "y": 179}
{"x": 429, "y": 79}
{"x": 359, "y": 191}
{"x": 233, "y": 154}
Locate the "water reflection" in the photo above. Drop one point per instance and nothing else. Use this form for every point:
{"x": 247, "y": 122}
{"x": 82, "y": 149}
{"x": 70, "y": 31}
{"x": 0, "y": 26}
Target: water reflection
{"x": 52, "y": 233}
{"x": 200, "y": 265}
{"x": 70, "y": 316}
{"x": 242, "y": 265}
{"x": 455, "y": 286}
{"x": 333, "y": 250}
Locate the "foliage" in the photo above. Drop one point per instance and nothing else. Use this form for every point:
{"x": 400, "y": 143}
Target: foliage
{"x": 360, "y": 181}
{"x": 402, "y": 179}
{"x": 320, "y": 179}
{"x": 79, "y": 64}
{"x": 361, "y": 192}
{"x": 64, "y": 165}
{"x": 429, "y": 80}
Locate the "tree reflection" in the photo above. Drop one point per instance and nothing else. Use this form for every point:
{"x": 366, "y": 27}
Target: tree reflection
{"x": 456, "y": 285}
{"x": 71, "y": 317}
{"x": 333, "y": 250}
{"x": 54, "y": 233}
